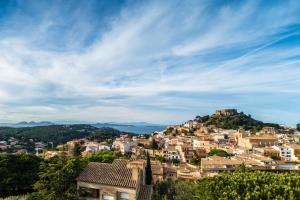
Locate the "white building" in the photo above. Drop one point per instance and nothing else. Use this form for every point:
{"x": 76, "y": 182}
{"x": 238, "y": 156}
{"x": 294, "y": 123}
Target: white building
{"x": 286, "y": 153}
{"x": 190, "y": 124}
{"x": 124, "y": 146}
{"x": 104, "y": 147}
{"x": 92, "y": 147}
{"x": 171, "y": 153}
{"x": 197, "y": 143}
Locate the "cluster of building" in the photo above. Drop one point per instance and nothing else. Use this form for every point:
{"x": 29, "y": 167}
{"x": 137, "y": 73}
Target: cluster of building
{"x": 14, "y": 145}
{"x": 182, "y": 152}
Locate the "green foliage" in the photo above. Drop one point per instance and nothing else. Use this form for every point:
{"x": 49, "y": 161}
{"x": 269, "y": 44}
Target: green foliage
{"x": 195, "y": 161}
{"x": 169, "y": 131}
{"x": 249, "y": 185}
{"x": 76, "y": 150}
{"x": 21, "y": 197}
{"x": 106, "y": 133}
{"x": 148, "y": 171}
{"x": 57, "y": 134}
{"x": 160, "y": 158}
{"x": 240, "y": 120}
{"x": 174, "y": 190}
{"x": 154, "y": 144}
{"x": 101, "y": 156}
{"x": 218, "y": 152}
{"x": 18, "y": 173}
{"x": 57, "y": 179}
{"x": 298, "y": 127}
{"x": 175, "y": 161}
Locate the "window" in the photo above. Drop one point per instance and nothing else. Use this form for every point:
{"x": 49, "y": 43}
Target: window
{"x": 108, "y": 197}
{"x": 123, "y": 196}
{"x": 88, "y": 192}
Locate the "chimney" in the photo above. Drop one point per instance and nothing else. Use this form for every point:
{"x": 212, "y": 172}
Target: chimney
{"x": 135, "y": 173}
{"x": 136, "y": 166}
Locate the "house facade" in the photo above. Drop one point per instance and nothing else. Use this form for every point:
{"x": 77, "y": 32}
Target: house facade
{"x": 120, "y": 180}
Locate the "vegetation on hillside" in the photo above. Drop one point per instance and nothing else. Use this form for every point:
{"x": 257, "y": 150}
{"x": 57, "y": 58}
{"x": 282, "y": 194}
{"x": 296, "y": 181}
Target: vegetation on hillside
{"x": 57, "y": 134}
{"x": 239, "y": 120}
{"x": 106, "y": 133}
{"x": 298, "y": 127}
{"x": 237, "y": 185}
{"x": 249, "y": 185}
{"x": 218, "y": 152}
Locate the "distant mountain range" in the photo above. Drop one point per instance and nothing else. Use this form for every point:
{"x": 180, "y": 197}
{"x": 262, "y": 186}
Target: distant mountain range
{"x": 27, "y": 124}
{"x": 133, "y": 127}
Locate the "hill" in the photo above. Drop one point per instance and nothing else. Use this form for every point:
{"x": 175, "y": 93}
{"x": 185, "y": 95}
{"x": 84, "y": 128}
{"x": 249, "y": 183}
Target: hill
{"x": 57, "y": 133}
{"x": 231, "y": 119}
{"x": 26, "y": 124}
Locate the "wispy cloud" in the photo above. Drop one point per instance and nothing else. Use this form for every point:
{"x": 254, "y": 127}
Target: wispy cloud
{"x": 154, "y": 61}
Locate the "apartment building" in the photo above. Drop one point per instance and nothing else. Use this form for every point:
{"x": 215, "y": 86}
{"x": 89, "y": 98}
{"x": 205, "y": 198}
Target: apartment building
{"x": 123, "y": 145}
{"x": 288, "y": 152}
{"x": 220, "y": 164}
{"x": 171, "y": 153}
{"x": 254, "y": 141}
{"x": 186, "y": 152}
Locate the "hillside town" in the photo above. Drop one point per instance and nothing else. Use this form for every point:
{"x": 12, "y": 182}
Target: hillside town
{"x": 191, "y": 151}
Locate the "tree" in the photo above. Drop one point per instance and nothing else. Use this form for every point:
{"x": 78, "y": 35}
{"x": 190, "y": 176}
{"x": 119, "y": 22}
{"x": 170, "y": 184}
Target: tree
{"x": 101, "y": 156}
{"x": 241, "y": 168}
{"x": 249, "y": 185}
{"x": 218, "y": 152}
{"x": 154, "y": 144}
{"x": 148, "y": 171}
{"x": 174, "y": 190}
{"x": 18, "y": 173}
{"x": 239, "y": 120}
{"x": 298, "y": 127}
{"x": 76, "y": 150}
{"x": 175, "y": 161}
{"x": 196, "y": 161}
{"x": 160, "y": 158}
{"x": 57, "y": 179}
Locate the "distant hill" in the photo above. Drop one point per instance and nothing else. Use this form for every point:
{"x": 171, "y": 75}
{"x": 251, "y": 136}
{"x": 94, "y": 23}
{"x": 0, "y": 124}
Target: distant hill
{"x": 27, "y": 124}
{"x": 133, "y": 127}
{"x": 58, "y": 133}
{"x": 234, "y": 120}
{"x": 32, "y": 124}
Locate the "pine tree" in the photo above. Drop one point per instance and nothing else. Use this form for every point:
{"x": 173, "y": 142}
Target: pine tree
{"x": 148, "y": 171}
{"x": 154, "y": 144}
{"x": 76, "y": 150}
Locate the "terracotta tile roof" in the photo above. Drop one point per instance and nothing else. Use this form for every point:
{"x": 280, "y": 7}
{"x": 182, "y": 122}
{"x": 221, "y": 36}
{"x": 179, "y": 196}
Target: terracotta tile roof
{"x": 263, "y": 137}
{"x": 145, "y": 192}
{"x": 217, "y": 160}
{"x": 116, "y": 174}
{"x": 294, "y": 146}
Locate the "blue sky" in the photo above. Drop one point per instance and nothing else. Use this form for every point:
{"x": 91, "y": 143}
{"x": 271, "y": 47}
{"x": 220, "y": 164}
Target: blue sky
{"x": 154, "y": 61}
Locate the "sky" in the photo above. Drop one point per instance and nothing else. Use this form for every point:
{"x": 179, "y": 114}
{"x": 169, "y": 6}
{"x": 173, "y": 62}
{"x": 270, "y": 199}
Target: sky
{"x": 156, "y": 61}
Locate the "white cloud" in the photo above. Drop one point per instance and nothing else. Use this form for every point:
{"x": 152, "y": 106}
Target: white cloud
{"x": 148, "y": 50}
